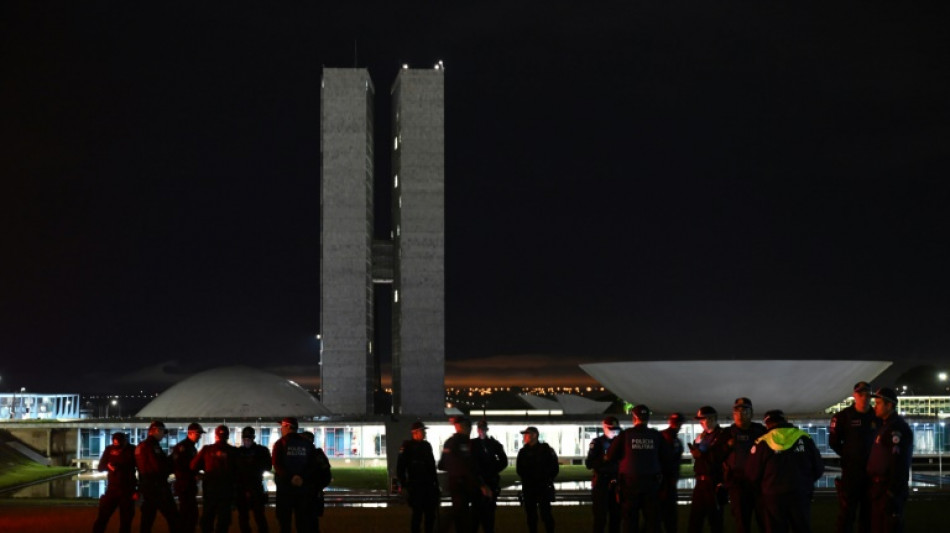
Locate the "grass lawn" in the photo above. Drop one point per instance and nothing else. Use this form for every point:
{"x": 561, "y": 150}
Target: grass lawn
{"x": 16, "y": 469}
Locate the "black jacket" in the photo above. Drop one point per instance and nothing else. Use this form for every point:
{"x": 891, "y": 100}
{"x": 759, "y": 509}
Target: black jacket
{"x": 119, "y": 462}
{"x": 891, "y": 454}
{"x": 537, "y": 466}
{"x": 640, "y": 451}
{"x": 604, "y": 471}
{"x": 785, "y": 460}
{"x": 850, "y": 436}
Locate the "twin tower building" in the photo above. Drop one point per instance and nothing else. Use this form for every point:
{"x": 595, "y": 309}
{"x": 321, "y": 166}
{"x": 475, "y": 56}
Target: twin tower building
{"x": 413, "y": 260}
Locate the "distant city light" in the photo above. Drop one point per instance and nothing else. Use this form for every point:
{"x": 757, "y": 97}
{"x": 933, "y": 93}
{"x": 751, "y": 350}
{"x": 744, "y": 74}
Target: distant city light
{"x": 942, "y": 376}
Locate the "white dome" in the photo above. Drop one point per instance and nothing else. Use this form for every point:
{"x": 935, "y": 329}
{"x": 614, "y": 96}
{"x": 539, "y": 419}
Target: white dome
{"x": 796, "y": 387}
{"x": 236, "y": 392}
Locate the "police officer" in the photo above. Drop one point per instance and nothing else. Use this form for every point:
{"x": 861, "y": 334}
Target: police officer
{"x": 490, "y": 460}
{"x": 295, "y": 465}
{"x": 671, "y": 473}
{"x": 415, "y": 469}
{"x": 786, "y": 463}
{"x": 851, "y": 434}
{"x": 219, "y": 464}
{"x": 708, "y": 451}
{"x": 118, "y": 459}
{"x": 639, "y": 451}
{"x": 537, "y": 466}
{"x": 889, "y": 465}
{"x": 464, "y": 482}
{"x": 253, "y": 460}
{"x": 603, "y": 483}
{"x": 321, "y": 479}
{"x": 742, "y": 492}
{"x": 186, "y": 481}
{"x": 154, "y": 467}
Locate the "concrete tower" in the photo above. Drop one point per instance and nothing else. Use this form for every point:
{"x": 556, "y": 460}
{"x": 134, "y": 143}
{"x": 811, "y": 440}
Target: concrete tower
{"x": 419, "y": 241}
{"x": 346, "y": 234}
{"x": 414, "y": 262}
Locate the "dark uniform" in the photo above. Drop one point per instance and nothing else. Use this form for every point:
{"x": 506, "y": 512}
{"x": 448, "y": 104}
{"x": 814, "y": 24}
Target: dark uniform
{"x": 464, "y": 483}
{"x": 321, "y": 479}
{"x": 490, "y": 460}
{"x": 154, "y": 467}
{"x": 294, "y": 456}
{"x": 850, "y": 436}
{"x": 119, "y": 460}
{"x": 742, "y": 492}
{"x": 709, "y": 451}
{"x": 537, "y": 467}
{"x": 603, "y": 483}
{"x": 670, "y": 467}
{"x": 218, "y": 486}
{"x": 186, "y": 480}
{"x": 415, "y": 469}
{"x": 252, "y": 462}
{"x": 639, "y": 451}
{"x": 889, "y": 471}
{"x": 786, "y": 463}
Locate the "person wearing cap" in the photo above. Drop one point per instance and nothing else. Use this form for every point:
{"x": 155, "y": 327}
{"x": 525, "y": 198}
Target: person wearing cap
{"x": 154, "y": 467}
{"x": 186, "y": 480}
{"x": 118, "y": 459}
{"x": 709, "y": 451}
{"x": 785, "y": 463}
{"x": 321, "y": 480}
{"x": 252, "y": 460}
{"x": 415, "y": 469}
{"x": 742, "y": 493}
{"x": 639, "y": 451}
{"x": 295, "y": 466}
{"x": 537, "y": 467}
{"x": 603, "y": 482}
{"x": 490, "y": 460}
{"x": 851, "y": 434}
{"x": 464, "y": 484}
{"x": 218, "y": 461}
{"x": 889, "y": 465}
{"x": 668, "y": 494}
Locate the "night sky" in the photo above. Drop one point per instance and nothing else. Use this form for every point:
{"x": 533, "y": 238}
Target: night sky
{"x": 622, "y": 182}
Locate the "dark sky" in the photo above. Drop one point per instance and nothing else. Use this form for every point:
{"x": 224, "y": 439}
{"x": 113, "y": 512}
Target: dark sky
{"x": 622, "y": 182}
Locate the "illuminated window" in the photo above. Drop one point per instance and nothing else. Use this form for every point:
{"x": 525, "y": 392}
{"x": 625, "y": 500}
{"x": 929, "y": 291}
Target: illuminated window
{"x": 396, "y": 296}
{"x": 396, "y": 181}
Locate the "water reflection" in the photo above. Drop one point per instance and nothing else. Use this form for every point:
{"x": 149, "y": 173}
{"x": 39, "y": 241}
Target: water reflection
{"x": 93, "y": 485}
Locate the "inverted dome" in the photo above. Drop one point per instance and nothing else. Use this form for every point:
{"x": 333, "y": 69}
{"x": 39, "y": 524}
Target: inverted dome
{"x": 236, "y": 392}
{"x": 799, "y": 387}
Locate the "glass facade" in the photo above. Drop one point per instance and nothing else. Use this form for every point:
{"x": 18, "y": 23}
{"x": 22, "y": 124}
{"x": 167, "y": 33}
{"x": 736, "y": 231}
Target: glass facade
{"x": 357, "y": 441}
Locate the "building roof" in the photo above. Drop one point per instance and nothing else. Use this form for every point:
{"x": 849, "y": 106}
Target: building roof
{"x": 799, "y": 387}
{"x": 234, "y": 391}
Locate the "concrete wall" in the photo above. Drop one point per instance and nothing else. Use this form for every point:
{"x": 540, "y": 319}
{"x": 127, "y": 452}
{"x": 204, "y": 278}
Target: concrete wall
{"x": 58, "y": 445}
{"x": 346, "y": 207}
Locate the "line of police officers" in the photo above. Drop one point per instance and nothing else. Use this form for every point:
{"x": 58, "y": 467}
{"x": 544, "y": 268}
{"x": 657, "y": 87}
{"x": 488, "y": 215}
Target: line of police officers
{"x": 474, "y": 482}
{"x": 230, "y": 476}
{"x": 763, "y": 472}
